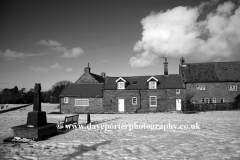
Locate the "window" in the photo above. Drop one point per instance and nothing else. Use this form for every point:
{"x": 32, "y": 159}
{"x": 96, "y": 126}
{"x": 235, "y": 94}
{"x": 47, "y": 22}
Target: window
{"x": 177, "y": 91}
{"x": 153, "y": 100}
{"x": 152, "y": 85}
{"x": 206, "y": 100}
{"x": 222, "y": 100}
{"x": 229, "y": 88}
{"x": 214, "y": 100}
{"x": 81, "y": 102}
{"x": 235, "y": 88}
{"x": 210, "y": 100}
{"x": 134, "y": 100}
{"x": 232, "y": 88}
{"x": 203, "y": 100}
{"x": 201, "y": 87}
{"x": 65, "y": 100}
{"x": 121, "y": 85}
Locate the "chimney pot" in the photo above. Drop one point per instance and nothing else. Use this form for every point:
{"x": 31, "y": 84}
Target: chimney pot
{"x": 87, "y": 69}
{"x": 165, "y": 67}
{"x": 103, "y": 74}
{"x": 182, "y": 61}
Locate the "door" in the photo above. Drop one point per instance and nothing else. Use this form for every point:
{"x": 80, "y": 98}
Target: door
{"x": 178, "y": 105}
{"x": 121, "y": 105}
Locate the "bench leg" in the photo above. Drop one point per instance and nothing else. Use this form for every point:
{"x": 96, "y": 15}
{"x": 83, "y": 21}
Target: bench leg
{"x": 88, "y": 118}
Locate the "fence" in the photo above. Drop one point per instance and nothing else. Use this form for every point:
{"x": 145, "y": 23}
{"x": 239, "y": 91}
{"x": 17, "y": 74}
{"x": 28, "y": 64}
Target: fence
{"x": 193, "y": 108}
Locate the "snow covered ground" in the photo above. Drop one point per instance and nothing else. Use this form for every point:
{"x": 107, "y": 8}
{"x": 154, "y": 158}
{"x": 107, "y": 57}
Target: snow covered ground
{"x": 217, "y": 138}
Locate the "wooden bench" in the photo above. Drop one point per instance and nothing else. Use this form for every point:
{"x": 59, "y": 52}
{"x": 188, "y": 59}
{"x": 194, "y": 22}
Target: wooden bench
{"x": 69, "y": 120}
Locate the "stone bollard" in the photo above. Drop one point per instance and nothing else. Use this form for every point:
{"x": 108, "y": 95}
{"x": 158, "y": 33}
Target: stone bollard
{"x": 88, "y": 118}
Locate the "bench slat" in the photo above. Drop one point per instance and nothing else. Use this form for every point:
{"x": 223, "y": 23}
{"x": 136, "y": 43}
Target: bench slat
{"x": 70, "y": 120}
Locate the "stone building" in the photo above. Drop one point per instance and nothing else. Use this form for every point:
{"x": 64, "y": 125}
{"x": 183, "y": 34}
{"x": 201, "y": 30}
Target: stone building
{"x": 212, "y": 82}
{"x": 143, "y": 93}
{"x": 85, "y": 95}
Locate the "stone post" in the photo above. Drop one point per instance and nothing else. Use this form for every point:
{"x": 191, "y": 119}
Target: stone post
{"x": 37, "y": 98}
{"x": 88, "y": 118}
{"x": 37, "y": 118}
{"x": 37, "y": 127}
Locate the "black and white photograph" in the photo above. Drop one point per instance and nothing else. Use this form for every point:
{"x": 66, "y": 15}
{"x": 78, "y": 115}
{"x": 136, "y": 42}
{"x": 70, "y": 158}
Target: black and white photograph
{"x": 120, "y": 79}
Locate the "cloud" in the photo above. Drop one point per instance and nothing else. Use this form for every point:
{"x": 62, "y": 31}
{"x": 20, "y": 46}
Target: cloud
{"x": 13, "y": 55}
{"x": 50, "y": 43}
{"x": 75, "y": 52}
{"x": 55, "y": 66}
{"x": 105, "y": 61}
{"x": 38, "y": 69}
{"x": 56, "y": 46}
{"x": 69, "y": 70}
{"x": 177, "y": 32}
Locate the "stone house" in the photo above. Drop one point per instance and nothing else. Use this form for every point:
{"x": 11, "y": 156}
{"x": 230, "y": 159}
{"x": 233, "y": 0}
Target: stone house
{"x": 143, "y": 93}
{"x": 212, "y": 82}
{"x": 94, "y": 93}
{"x": 85, "y": 95}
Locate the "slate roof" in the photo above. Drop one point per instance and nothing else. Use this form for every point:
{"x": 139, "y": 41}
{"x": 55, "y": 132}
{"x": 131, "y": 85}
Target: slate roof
{"x": 99, "y": 78}
{"x": 211, "y": 72}
{"x": 173, "y": 81}
{"x": 83, "y": 90}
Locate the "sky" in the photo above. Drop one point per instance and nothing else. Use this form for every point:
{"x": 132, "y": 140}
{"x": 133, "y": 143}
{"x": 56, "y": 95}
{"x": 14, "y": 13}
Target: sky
{"x": 49, "y": 41}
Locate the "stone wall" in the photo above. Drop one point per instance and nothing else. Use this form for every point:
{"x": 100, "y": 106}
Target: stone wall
{"x": 213, "y": 90}
{"x": 110, "y": 100}
{"x": 95, "y": 106}
{"x": 166, "y": 100}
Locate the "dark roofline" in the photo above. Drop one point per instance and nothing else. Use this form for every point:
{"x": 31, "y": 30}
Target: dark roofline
{"x": 95, "y": 91}
{"x": 212, "y": 82}
{"x": 209, "y": 72}
{"x": 64, "y": 89}
{"x": 98, "y": 77}
{"x": 88, "y": 83}
{"x": 213, "y": 62}
{"x": 143, "y": 76}
{"x": 143, "y": 89}
{"x": 95, "y": 76}
{"x": 80, "y": 96}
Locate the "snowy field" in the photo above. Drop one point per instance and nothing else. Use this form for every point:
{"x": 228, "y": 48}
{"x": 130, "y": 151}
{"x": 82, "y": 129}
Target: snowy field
{"x": 217, "y": 138}
{"x": 6, "y": 106}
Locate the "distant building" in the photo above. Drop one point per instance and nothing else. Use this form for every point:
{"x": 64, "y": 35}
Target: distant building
{"x": 85, "y": 95}
{"x": 213, "y": 82}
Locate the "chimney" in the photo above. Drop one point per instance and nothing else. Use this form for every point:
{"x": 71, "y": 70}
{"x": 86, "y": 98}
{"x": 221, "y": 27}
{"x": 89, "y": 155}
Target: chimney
{"x": 103, "y": 74}
{"x": 182, "y": 61}
{"x": 87, "y": 69}
{"x": 165, "y": 67}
